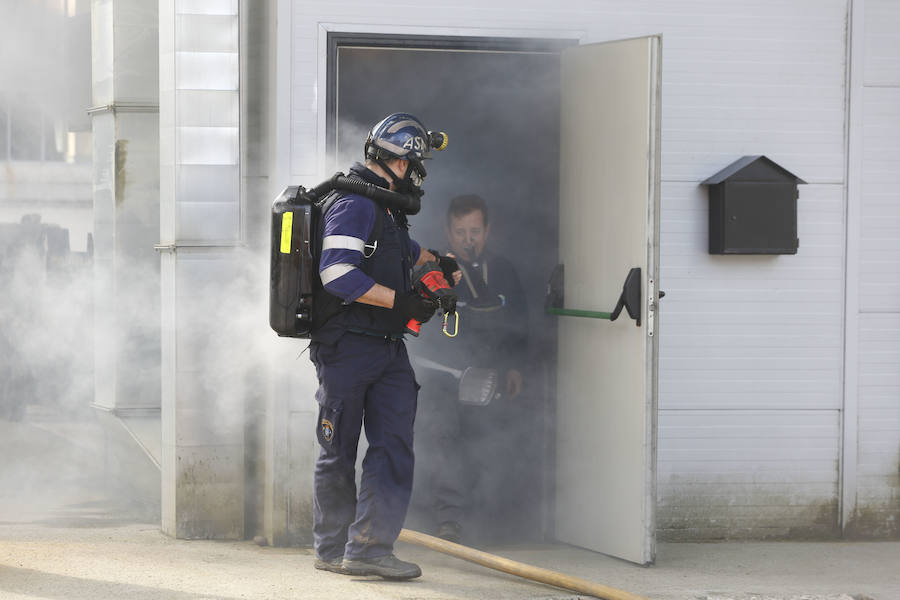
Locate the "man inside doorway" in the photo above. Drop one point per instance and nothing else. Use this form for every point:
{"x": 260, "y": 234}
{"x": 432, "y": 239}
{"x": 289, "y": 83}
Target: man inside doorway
{"x": 469, "y": 444}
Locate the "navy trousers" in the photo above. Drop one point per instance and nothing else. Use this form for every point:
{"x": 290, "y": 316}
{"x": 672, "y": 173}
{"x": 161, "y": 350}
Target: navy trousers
{"x": 363, "y": 380}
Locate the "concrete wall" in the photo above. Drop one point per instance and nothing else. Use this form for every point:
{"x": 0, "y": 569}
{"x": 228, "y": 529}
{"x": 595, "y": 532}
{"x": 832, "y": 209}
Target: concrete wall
{"x": 751, "y": 348}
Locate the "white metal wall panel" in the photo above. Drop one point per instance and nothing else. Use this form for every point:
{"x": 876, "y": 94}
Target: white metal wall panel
{"x": 751, "y": 332}
{"x": 738, "y": 77}
{"x": 748, "y": 473}
{"x": 203, "y": 447}
{"x": 878, "y": 470}
{"x": 882, "y": 66}
{"x": 751, "y": 353}
{"x": 878, "y": 383}
{"x": 739, "y": 335}
{"x": 880, "y": 243}
{"x": 207, "y": 122}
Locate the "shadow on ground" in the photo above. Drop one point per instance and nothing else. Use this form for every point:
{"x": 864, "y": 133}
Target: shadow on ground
{"x": 62, "y": 587}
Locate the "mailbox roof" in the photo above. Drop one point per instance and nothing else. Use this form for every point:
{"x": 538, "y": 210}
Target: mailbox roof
{"x": 753, "y": 168}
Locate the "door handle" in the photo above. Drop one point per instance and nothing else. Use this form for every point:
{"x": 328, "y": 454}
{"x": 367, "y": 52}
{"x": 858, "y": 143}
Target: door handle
{"x": 629, "y": 299}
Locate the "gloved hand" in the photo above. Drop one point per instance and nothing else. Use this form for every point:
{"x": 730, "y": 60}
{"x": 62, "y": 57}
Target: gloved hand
{"x": 413, "y": 305}
{"x": 448, "y": 266}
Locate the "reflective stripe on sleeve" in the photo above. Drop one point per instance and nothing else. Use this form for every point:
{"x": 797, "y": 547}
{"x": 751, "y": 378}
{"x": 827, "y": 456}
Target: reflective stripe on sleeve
{"x": 342, "y": 242}
{"x": 329, "y": 274}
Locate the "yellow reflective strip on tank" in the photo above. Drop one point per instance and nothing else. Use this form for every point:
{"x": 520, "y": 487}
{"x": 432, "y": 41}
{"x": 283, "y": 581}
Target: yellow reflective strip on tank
{"x": 287, "y": 224}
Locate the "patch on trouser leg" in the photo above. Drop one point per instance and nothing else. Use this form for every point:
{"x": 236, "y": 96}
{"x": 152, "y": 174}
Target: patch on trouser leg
{"x": 326, "y": 432}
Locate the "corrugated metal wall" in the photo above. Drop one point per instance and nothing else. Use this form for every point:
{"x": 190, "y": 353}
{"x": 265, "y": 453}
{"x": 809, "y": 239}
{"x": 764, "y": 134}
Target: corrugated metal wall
{"x": 750, "y": 376}
{"x": 203, "y": 390}
{"x": 751, "y": 348}
{"x": 878, "y": 466}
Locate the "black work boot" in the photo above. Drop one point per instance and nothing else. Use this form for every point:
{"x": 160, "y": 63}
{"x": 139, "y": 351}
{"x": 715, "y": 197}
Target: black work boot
{"x": 335, "y": 565}
{"x": 450, "y": 531}
{"x": 388, "y": 566}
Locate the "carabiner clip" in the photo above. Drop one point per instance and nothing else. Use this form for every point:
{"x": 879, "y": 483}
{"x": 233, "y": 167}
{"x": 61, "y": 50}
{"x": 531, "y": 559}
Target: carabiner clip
{"x": 455, "y": 326}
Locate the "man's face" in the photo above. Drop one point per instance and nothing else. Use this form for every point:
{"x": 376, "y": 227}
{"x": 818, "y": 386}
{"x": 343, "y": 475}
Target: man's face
{"x": 467, "y": 235}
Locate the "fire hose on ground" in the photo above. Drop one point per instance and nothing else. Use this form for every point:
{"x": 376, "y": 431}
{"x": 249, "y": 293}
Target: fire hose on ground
{"x": 538, "y": 574}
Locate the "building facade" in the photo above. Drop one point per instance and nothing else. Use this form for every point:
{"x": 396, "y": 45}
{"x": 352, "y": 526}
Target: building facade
{"x": 778, "y": 376}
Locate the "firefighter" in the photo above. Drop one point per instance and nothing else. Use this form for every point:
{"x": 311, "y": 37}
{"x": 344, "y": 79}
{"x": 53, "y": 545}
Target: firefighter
{"x": 365, "y": 378}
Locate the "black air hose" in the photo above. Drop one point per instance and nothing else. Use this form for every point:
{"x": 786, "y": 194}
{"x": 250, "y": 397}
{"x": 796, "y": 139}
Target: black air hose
{"x": 409, "y": 204}
{"x": 321, "y": 190}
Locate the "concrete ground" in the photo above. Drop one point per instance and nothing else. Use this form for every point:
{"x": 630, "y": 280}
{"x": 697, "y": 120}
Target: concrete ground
{"x": 62, "y": 536}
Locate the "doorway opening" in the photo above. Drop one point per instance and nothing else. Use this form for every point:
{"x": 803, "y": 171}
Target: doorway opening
{"x": 498, "y": 100}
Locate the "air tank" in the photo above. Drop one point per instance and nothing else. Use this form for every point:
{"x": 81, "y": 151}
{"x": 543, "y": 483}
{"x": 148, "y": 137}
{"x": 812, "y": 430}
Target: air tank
{"x": 291, "y": 265}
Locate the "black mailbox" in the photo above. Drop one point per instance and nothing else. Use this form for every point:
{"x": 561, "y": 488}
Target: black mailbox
{"x": 753, "y": 208}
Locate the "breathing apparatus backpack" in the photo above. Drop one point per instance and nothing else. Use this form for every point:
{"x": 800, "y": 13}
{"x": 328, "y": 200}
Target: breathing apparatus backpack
{"x": 294, "y": 280}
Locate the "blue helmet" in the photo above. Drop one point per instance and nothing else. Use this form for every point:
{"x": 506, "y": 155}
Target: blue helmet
{"x": 401, "y": 135}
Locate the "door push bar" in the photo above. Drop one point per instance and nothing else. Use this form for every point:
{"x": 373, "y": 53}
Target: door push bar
{"x": 629, "y": 299}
